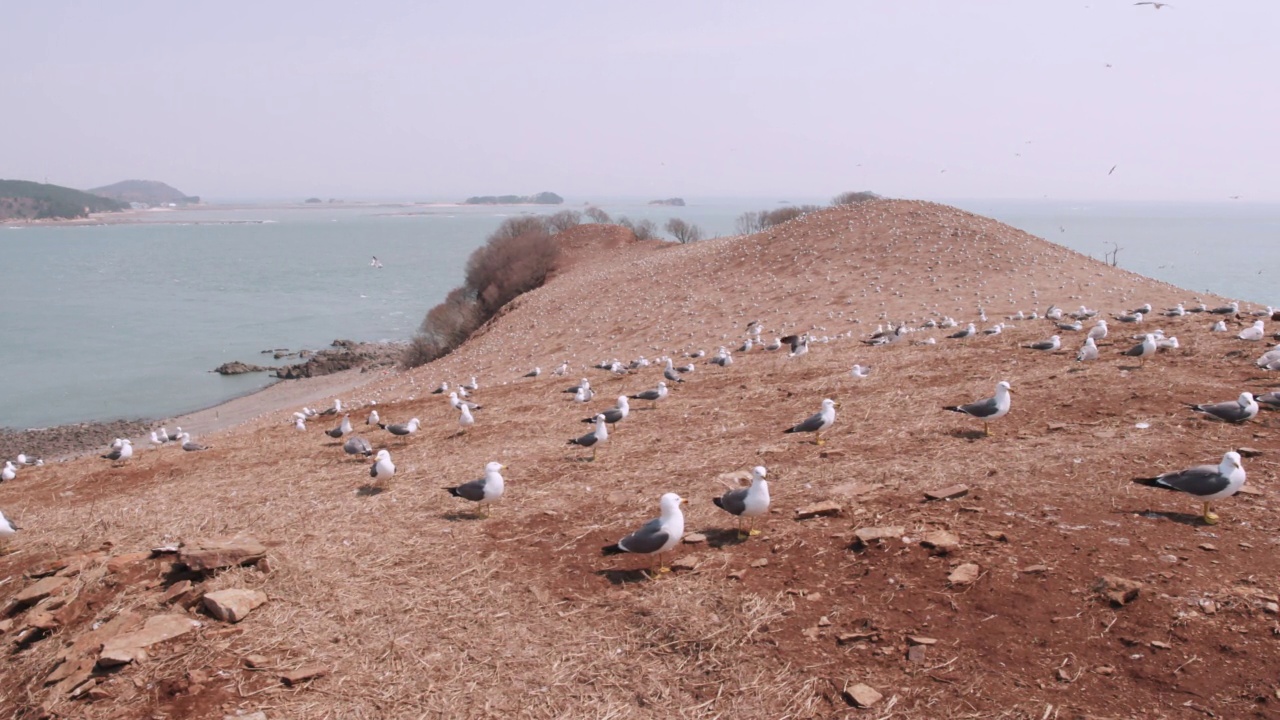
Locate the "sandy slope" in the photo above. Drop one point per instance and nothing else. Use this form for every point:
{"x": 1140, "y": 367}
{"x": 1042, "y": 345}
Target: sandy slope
{"x": 418, "y": 609}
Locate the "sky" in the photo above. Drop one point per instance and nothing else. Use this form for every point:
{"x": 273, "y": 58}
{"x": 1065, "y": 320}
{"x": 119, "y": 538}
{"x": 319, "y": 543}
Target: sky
{"x": 441, "y": 100}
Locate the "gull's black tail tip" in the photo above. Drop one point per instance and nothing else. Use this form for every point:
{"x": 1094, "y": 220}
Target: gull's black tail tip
{"x": 612, "y": 550}
{"x": 953, "y": 408}
{"x": 719, "y": 503}
{"x": 453, "y": 491}
{"x": 1150, "y": 482}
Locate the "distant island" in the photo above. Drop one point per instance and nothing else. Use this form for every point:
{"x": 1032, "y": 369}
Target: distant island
{"x": 674, "y": 202}
{"x": 145, "y": 193}
{"x": 26, "y": 200}
{"x": 542, "y": 198}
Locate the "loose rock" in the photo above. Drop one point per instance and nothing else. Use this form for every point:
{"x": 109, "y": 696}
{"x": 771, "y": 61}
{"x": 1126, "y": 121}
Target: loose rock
{"x": 825, "y": 508}
{"x": 126, "y": 648}
{"x": 208, "y": 556}
{"x": 860, "y": 695}
{"x": 695, "y": 538}
{"x": 1120, "y": 591}
{"x": 866, "y": 536}
{"x": 303, "y": 674}
{"x": 964, "y": 574}
{"x": 947, "y": 493}
{"x": 940, "y": 541}
{"x": 233, "y": 605}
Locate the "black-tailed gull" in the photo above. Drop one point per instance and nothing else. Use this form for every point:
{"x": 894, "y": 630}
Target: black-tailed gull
{"x": 342, "y": 428}
{"x": 535, "y": 372}
{"x": 7, "y": 532}
{"x": 190, "y": 445}
{"x": 356, "y": 445}
{"x": 1098, "y": 331}
{"x": 373, "y": 418}
{"x": 382, "y": 469}
{"x": 1270, "y": 399}
{"x": 121, "y": 452}
{"x": 1142, "y": 349}
{"x": 457, "y": 403}
{"x": 859, "y": 371}
{"x": 1233, "y": 411}
{"x": 595, "y": 437}
{"x": 669, "y": 372}
{"x": 653, "y": 395}
{"x": 817, "y": 422}
{"x": 1050, "y": 345}
{"x": 1207, "y": 482}
{"x": 613, "y": 415}
{"x": 988, "y": 409}
{"x": 968, "y": 331}
{"x": 484, "y": 490}
{"x": 748, "y": 502}
{"x": 9, "y": 473}
{"x": 1230, "y": 308}
{"x": 465, "y": 419}
{"x": 657, "y": 536}
{"x": 1088, "y": 352}
{"x": 1256, "y": 332}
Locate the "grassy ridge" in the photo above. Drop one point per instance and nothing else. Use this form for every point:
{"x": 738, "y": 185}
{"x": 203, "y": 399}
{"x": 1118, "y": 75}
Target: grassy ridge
{"x": 27, "y": 200}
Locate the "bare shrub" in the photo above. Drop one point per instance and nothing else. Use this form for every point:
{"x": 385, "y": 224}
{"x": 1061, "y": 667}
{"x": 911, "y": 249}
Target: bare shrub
{"x": 564, "y": 220}
{"x": 517, "y": 226}
{"x": 853, "y": 198}
{"x": 769, "y": 218}
{"x": 642, "y": 229}
{"x": 683, "y": 232}
{"x": 509, "y": 266}
{"x": 597, "y": 215}
{"x": 748, "y": 223}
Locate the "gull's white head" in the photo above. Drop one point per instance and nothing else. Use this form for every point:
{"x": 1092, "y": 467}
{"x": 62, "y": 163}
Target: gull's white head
{"x": 1245, "y": 399}
{"x": 1230, "y": 462}
{"x": 662, "y": 385}
{"x": 382, "y": 455}
{"x": 414, "y": 423}
{"x": 493, "y": 467}
{"x": 670, "y": 503}
{"x": 828, "y": 404}
{"x": 1003, "y": 387}
{"x": 758, "y": 472}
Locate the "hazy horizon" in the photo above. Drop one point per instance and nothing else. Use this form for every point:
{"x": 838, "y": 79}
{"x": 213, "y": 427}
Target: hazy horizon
{"x": 1003, "y": 101}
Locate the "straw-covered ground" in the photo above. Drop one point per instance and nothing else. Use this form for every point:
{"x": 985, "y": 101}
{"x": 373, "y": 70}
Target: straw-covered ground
{"x": 411, "y": 606}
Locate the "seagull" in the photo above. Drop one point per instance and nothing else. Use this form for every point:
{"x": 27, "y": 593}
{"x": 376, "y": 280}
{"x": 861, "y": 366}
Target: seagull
{"x": 817, "y": 422}
{"x": 1206, "y": 482}
{"x": 173, "y": 436}
{"x": 1169, "y": 343}
{"x": 9, "y": 473}
{"x": 860, "y": 371}
{"x": 465, "y": 419}
{"x": 968, "y": 331}
{"x": 748, "y": 502}
{"x": 535, "y": 372}
{"x": 1146, "y": 308}
{"x": 994, "y": 329}
{"x": 190, "y": 446}
{"x": 657, "y": 536}
{"x": 595, "y": 437}
{"x": 483, "y": 491}
{"x": 7, "y": 530}
{"x": 1157, "y": 6}
{"x": 1230, "y": 308}
{"x": 1253, "y": 333}
{"x": 343, "y": 428}
{"x": 444, "y": 387}
{"x": 1050, "y": 345}
{"x": 746, "y": 346}
{"x": 337, "y": 408}
{"x": 988, "y": 409}
{"x": 1176, "y": 311}
{"x": 382, "y": 469}
{"x": 1270, "y": 399}
{"x": 473, "y": 385}
{"x": 23, "y": 459}
{"x": 121, "y": 453}
{"x": 724, "y": 359}
{"x": 1233, "y": 411}
{"x": 774, "y": 344}
{"x": 584, "y": 394}
{"x": 584, "y": 384}
{"x": 155, "y": 439}
{"x": 1220, "y": 326}
{"x": 456, "y": 403}
{"x": 653, "y": 395}
{"x": 613, "y": 415}
{"x": 1142, "y": 349}
{"x": 1071, "y": 327}
{"x": 561, "y": 369}
{"x": 1088, "y": 352}
{"x": 357, "y": 445}
{"x": 669, "y": 372}
{"x": 799, "y": 344}
{"x": 299, "y": 424}
{"x": 685, "y": 369}
{"x": 1129, "y": 318}
{"x": 373, "y": 418}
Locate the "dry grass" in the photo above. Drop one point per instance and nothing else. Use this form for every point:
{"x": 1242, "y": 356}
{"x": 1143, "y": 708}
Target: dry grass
{"x": 421, "y": 610}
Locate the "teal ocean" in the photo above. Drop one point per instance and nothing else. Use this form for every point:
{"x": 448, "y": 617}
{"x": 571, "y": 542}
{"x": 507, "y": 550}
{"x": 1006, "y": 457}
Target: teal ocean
{"x": 127, "y": 320}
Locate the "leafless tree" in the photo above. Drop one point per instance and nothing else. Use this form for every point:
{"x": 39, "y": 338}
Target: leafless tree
{"x": 683, "y": 232}
{"x": 517, "y": 226}
{"x": 597, "y": 215}
{"x": 564, "y": 220}
{"x": 748, "y": 223}
{"x": 853, "y": 198}
{"x": 642, "y": 229}
{"x": 1110, "y": 257}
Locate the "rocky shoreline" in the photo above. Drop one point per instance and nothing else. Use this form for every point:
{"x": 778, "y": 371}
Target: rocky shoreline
{"x": 339, "y": 356}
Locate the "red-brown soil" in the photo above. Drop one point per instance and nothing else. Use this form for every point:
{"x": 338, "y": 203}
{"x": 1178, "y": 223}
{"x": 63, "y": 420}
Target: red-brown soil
{"x": 416, "y": 608}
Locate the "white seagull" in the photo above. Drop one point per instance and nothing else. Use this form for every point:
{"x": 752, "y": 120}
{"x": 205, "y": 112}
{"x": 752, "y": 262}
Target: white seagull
{"x": 657, "y": 536}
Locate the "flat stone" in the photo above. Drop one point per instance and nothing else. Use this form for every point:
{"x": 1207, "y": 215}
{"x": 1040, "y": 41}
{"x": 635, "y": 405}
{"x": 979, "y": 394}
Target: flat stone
{"x": 856, "y": 489}
{"x": 256, "y": 662}
{"x": 233, "y": 605}
{"x": 120, "y": 562}
{"x": 860, "y": 695}
{"x": 1208, "y": 547}
{"x": 824, "y": 621}
{"x": 940, "y": 541}
{"x": 1105, "y": 670}
{"x": 868, "y": 535}
{"x": 921, "y": 640}
{"x": 825, "y": 508}
{"x": 1063, "y": 676}
{"x": 853, "y": 637}
{"x": 1161, "y": 645}
{"x": 1034, "y": 569}
{"x": 695, "y": 538}
{"x": 1271, "y": 608}
{"x": 1248, "y": 489}
{"x": 1249, "y": 452}
{"x": 964, "y": 574}
{"x": 759, "y": 563}
{"x": 251, "y": 716}
{"x": 997, "y": 535}
{"x": 947, "y": 493}
{"x": 122, "y": 649}
{"x": 36, "y": 592}
{"x": 915, "y": 654}
{"x": 41, "y": 620}
{"x": 176, "y": 591}
{"x": 737, "y": 574}
{"x": 684, "y": 563}
{"x": 829, "y": 454}
{"x": 1120, "y": 591}
{"x": 208, "y": 556}
{"x": 303, "y": 674}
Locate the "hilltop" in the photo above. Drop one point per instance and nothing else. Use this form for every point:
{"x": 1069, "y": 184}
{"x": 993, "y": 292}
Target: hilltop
{"x": 25, "y": 200}
{"x": 542, "y": 198}
{"x": 147, "y": 192}
{"x": 409, "y": 606}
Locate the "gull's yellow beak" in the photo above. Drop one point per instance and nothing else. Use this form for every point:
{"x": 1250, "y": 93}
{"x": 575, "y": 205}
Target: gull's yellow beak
{"x": 684, "y": 501}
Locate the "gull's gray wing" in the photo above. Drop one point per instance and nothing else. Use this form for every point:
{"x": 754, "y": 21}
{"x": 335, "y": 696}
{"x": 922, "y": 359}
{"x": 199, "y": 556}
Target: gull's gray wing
{"x": 473, "y": 491}
{"x": 1229, "y": 411}
{"x": 646, "y": 395}
{"x": 648, "y": 539}
{"x": 811, "y": 424}
{"x": 1199, "y": 480}
{"x": 981, "y": 408}
{"x": 734, "y": 501}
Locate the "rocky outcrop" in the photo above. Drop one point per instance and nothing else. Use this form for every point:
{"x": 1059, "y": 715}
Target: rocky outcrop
{"x": 342, "y": 355}
{"x": 238, "y": 368}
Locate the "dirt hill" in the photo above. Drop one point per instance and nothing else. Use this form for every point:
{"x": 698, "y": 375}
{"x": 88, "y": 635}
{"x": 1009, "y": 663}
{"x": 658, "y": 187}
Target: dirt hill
{"x": 410, "y": 606}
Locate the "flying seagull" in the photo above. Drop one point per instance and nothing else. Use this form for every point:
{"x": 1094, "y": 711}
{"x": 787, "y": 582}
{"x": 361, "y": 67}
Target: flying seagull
{"x": 1156, "y": 5}
{"x": 1233, "y": 411}
{"x": 657, "y": 536}
{"x": 817, "y": 422}
{"x": 483, "y": 491}
{"x": 987, "y": 409}
{"x": 748, "y": 502}
{"x": 1206, "y": 482}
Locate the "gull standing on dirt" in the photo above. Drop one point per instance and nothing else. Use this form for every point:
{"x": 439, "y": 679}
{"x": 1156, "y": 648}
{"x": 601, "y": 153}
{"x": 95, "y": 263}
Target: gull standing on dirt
{"x": 653, "y": 395}
{"x": 444, "y": 387}
{"x": 122, "y": 452}
{"x": 9, "y": 473}
{"x": 7, "y": 531}
{"x": 1233, "y": 411}
{"x": 337, "y": 408}
{"x": 1253, "y": 333}
{"x": 595, "y": 437}
{"x": 483, "y": 491}
{"x": 299, "y": 423}
{"x": 561, "y": 369}
{"x": 669, "y": 372}
{"x": 1142, "y": 349}
{"x": 373, "y": 418}
{"x": 1099, "y": 331}
{"x": 1207, "y": 482}
{"x": 456, "y": 403}
{"x": 1050, "y": 345}
{"x": 657, "y": 536}
{"x": 356, "y": 445}
{"x": 465, "y": 419}
{"x": 613, "y": 415}
{"x": 190, "y": 446}
{"x": 1088, "y": 352}
{"x": 748, "y": 502}
{"x": 860, "y": 371}
{"x": 1220, "y": 326}
{"x": 816, "y": 423}
{"x": 967, "y": 332}
{"x": 988, "y": 409}
{"x": 1230, "y": 308}
{"x": 402, "y": 429}
{"x": 343, "y": 428}
{"x": 382, "y": 469}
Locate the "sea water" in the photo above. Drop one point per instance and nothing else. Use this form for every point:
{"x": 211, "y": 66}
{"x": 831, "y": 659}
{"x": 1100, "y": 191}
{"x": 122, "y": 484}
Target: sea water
{"x": 127, "y": 320}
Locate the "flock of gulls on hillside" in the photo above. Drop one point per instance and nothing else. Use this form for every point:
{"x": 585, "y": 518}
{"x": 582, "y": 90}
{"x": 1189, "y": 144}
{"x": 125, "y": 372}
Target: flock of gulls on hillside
{"x": 1208, "y": 483}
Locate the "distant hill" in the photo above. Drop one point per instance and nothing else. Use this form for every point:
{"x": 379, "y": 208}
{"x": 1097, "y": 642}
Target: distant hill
{"x": 25, "y": 200}
{"x": 674, "y": 202}
{"x": 148, "y": 192}
{"x": 542, "y": 198}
